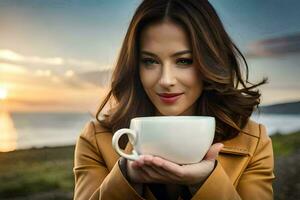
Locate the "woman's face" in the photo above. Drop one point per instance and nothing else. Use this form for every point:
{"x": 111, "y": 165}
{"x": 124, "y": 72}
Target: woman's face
{"x": 166, "y": 66}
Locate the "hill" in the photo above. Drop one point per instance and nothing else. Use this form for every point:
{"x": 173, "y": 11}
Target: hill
{"x": 282, "y": 108}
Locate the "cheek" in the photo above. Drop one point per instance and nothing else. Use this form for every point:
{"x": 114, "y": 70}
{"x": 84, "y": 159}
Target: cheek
{"x": 191, "y": 80}
{"x": 148, "y": 78}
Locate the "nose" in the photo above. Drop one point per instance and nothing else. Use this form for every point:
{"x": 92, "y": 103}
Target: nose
{"x": 167, "y": 77}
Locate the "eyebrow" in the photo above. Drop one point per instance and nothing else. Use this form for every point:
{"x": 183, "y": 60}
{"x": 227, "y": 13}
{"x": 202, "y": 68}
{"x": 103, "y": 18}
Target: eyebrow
{"x": 173, "y": 55}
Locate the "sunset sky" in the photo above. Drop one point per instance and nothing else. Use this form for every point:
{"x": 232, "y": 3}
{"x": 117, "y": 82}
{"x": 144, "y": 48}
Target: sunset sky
{"x": 51, "y": 52}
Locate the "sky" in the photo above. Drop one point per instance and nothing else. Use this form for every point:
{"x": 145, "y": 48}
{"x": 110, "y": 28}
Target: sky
{"x": 52, "y": 51}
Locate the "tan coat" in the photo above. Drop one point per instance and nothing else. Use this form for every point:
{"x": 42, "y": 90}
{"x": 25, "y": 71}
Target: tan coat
{"x": 244, "y": 169}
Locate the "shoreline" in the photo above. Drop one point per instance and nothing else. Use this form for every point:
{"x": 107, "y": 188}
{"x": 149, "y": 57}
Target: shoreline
{"x": 273, "y": 135}
{"x": 40, "y": 148}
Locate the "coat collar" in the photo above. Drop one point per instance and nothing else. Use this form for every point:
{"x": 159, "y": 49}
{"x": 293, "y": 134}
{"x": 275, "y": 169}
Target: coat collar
{"x": 242, "y": 144}
{"x": 235, "y": 146}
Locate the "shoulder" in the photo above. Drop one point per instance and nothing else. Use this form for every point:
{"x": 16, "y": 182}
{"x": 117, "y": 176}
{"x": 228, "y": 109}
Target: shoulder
{"x": 95, "y": 142}
{"x": 261, "y": 149}
{"x": 255, "y": 129}
{"x": 87, "y": 151}
{"x": 91, "y": 129}
{"x": 251, "y": 128}
{"x": 246, "y": 142}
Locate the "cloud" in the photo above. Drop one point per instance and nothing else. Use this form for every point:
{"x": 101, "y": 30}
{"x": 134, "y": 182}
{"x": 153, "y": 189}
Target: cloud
{"x": 17, "y": 58}
{"x": 36, "y": 68}
{"x": 69, "y": 73}
{"x": 274, "y": 47}
{"x": 52, "y": 71}
{"x": 12, "y": 68}
{"x": 12, "y": 56}
{"x": 34, "y": 102}
{"x": 100, "y": 78}
{"x": 44, "y": 79}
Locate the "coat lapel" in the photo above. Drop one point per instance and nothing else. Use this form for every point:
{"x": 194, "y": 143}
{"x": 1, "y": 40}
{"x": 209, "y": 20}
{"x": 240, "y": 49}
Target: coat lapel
{"x": 242, "y": 144}
{"x": 235, "y": 155}
{"x": 109, "y": 155}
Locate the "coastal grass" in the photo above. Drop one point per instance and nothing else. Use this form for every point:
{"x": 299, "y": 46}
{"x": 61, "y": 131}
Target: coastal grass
{"x": 285, "y": 145}
{"x": 38, "y": 172}
{"x": 26, "y": 172}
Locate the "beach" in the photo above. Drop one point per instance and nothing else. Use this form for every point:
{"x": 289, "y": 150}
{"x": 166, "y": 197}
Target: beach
{"x": 46, "y": 173}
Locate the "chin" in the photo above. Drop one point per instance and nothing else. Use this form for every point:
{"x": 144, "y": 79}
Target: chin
{"x": 169, "y": 113}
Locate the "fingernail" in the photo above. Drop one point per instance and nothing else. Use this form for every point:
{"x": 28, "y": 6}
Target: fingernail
{"x": 221, "y": 145}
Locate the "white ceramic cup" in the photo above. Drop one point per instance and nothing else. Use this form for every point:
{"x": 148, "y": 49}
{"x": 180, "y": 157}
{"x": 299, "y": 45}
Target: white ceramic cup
{"x": 180, "y": 139}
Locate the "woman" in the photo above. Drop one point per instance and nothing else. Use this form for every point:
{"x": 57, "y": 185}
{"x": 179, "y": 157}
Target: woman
{"x": 175, "y": 47}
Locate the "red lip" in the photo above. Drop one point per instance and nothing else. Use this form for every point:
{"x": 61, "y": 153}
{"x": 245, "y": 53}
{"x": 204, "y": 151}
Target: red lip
{"x": 169, "y": 94}
{"x": 169, "y": 98}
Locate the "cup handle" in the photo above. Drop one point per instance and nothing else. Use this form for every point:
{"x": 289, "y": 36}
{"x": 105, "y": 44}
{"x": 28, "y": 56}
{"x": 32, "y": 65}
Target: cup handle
{"x": 132, "y": 139}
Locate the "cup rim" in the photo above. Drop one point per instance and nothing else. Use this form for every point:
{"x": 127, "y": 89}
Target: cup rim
{"x": 174, "y": 117}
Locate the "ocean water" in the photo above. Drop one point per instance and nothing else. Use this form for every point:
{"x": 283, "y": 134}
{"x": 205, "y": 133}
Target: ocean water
{"x": 27, "y": 130}
{"x": 43, "y": 129}
{"x": 276, "y": 123}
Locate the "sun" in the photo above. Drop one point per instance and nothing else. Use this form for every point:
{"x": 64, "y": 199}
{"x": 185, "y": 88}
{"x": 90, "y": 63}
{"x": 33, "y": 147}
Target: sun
{"x": 3, "y": 93}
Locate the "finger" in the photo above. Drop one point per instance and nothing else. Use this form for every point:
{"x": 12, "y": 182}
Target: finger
{"x": 156, "y": 164}
{"x": 147, "y": 167}
{"x": 171, "y": 168}
{"x": 137, "y": 163}
{"x": 159, "y": 170}
{"x": 153, "y": 175}
{"x": 170, "y": 177}
{"x": 213, "y": 151}
{"x": 172, "y": 171}
{"x": 144, "y": 176}
{"x": 147, "y": 159}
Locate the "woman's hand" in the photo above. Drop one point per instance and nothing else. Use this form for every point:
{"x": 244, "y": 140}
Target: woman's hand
{"x": 153, "y": 169}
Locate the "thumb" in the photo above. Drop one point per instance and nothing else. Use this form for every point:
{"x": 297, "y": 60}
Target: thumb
{"x": 213, "y": 151}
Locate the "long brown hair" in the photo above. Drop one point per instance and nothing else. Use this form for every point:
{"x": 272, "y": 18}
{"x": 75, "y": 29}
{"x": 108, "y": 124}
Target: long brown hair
{"x": 227, "y": 95}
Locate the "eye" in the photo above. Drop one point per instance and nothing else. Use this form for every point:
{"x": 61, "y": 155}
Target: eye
{"x": 148, "y": 61}
{"x": 185, "y": 61}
